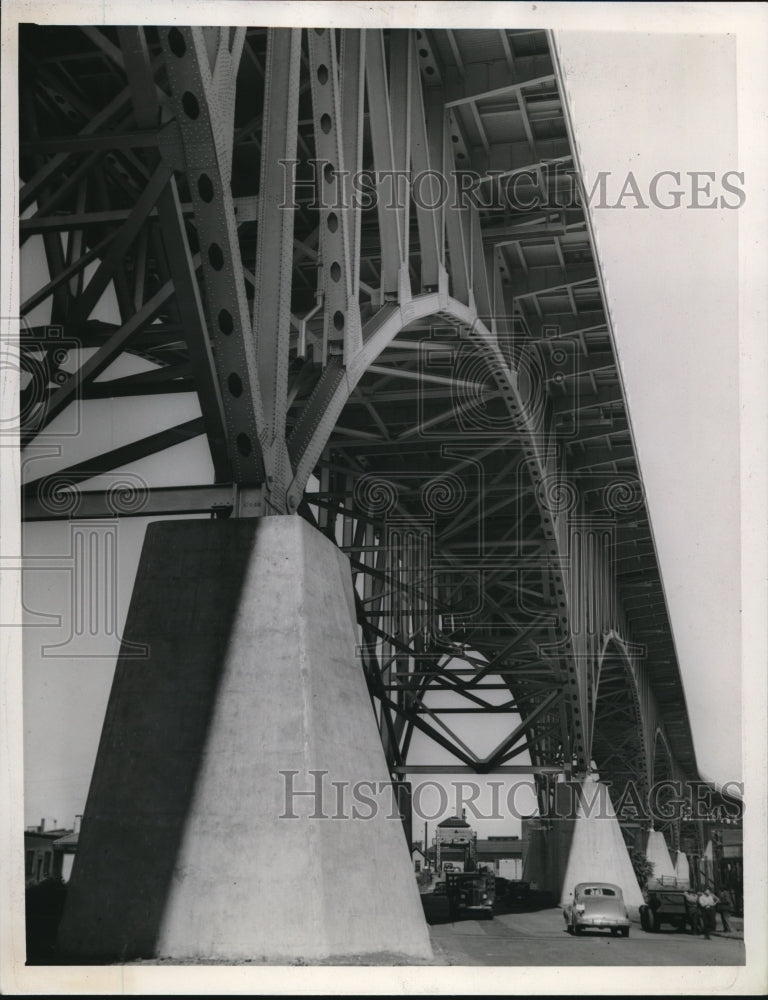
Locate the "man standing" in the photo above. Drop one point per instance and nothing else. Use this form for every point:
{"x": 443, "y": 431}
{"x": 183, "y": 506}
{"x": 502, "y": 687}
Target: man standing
{"x": 692, "y": 915}
{"x": 707, "y": 904}
{"x": 725, "y": 907}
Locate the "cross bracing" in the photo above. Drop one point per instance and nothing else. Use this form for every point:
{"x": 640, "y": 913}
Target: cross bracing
{"x": 366, "y": 254}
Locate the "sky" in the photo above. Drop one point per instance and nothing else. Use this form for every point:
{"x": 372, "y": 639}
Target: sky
{"x": 672, "y": 288}
{"x": 672, "y": 284}
{"x": 671, "y": 276}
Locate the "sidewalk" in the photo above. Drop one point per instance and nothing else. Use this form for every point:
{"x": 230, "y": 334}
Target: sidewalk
{"x": 737, "y": 928}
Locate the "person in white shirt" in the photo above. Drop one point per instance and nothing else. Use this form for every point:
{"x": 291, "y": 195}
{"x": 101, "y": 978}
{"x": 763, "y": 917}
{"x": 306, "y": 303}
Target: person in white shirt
{"x": 707, "y": 907}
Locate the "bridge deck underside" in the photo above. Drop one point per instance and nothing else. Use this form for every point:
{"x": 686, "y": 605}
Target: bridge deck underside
{"x": 458, "y": 471}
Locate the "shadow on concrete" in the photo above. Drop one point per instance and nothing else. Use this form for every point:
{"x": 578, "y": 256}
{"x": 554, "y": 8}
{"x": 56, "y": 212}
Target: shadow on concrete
{"x": 44, "y": 904}
{"x": 535, "y": 901}
{"x": 437, "y": 910}
{"x": 187, "y": 593}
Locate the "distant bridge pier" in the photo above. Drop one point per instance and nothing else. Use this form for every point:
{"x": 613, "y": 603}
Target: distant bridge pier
{"x": 196, "y": 843}
{"x": 582, "y": 842}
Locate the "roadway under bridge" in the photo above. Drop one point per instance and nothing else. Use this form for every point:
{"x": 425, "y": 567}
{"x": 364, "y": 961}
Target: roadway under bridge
{"x": 367, "y": 254}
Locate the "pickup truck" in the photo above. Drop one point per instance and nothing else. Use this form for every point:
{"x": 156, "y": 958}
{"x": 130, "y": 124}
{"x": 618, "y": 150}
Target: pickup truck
{"x": 666, "y": 903}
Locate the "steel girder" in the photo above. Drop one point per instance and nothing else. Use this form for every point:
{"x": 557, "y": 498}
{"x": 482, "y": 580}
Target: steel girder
{"x": 364, "y": 251}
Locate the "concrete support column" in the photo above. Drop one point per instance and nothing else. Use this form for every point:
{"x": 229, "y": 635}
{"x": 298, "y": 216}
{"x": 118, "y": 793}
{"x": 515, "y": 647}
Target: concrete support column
{"x": 194, "y": 843}
{"x": 682, "y": 870}
{"x": 597, "y": 851}
{"x": 582, "y": 842}
{"x": 657, "y": 853}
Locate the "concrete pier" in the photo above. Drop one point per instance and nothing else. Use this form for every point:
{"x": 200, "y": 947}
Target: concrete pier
{"x": 657, "y": 852}
{"x": 195, "y": 844}
{"x": 582, "y": 842}
{"x": 598, "y": 851}
{"x": 682, "y": 868}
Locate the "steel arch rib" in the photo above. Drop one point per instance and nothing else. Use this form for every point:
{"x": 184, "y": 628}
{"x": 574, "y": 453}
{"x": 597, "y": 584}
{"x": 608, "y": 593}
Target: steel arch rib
{"x": 254, "y": 346}
{"x": 380, "y": 331}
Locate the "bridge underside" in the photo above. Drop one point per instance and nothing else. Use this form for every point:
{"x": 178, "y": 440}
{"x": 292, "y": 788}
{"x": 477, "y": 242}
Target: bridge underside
{"x": 365, "y": 255}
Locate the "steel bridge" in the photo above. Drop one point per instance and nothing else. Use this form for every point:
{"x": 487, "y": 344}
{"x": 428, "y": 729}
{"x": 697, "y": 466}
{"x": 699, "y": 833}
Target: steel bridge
{"x": 367, "y": 254}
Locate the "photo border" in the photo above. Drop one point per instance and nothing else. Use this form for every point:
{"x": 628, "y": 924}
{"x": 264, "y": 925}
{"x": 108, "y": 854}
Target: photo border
{"x": 748, "y": 22}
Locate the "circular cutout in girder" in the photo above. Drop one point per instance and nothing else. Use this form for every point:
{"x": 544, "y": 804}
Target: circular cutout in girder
{"x": 190, "y": 105}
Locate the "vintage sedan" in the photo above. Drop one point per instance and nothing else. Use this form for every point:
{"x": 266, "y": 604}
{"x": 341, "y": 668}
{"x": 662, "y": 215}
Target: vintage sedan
{"x": 598, "y": 905}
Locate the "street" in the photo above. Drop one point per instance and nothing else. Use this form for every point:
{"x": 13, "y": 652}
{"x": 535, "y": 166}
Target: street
{"x": 540, "y": 938}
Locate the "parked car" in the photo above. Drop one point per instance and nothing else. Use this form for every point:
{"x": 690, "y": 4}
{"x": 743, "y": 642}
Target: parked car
{"x": 597, "y": 905}
{"x": 439, "y": 889}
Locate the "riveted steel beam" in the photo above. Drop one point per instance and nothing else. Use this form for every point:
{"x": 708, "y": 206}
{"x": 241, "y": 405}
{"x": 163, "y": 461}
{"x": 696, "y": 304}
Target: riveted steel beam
{"x": 203, "y": 101}
{"x": 52, "y": 484}
{"x": 352, "y": 71}
{"x": 47, "y": 173}
{"x": 427, "y": 179}
{"x": 388, "y": 184}
{"x": 143, "y": 502}
{"x": 513, "y": 91}
{"x": 274, "y": 254}
{"x": 339, "y": 220}
{"x": 73, "y": 269}
{"x": 114, "y": 345}
{"x": 515, "y": 288}
{"x": 135, "y": 57}
{"x": 401, "y": 79}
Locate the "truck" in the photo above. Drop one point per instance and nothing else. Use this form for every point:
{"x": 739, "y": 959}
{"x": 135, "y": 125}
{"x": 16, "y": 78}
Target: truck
{"x": 669, "y": 901}
{"x": 470, "y": 892}
{"x": 511, "y": 869}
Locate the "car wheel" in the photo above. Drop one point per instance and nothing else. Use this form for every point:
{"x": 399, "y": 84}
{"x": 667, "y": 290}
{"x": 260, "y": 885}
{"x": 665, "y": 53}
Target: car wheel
{"x": 648, "y": 920}
{"x": 569, "y": 929}
{"x": 578, "y": 929}
{"x": 625, "y": 932}
{"x": 614, "y": 931}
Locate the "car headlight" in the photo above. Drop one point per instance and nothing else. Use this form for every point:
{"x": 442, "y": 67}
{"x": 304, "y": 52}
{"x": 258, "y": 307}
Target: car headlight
{"x": 580, "y": 908}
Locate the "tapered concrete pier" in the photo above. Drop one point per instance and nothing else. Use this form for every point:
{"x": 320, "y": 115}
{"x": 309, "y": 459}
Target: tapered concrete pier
{"x": 657, "y": 852}
{"x": 598, "y": 851}
{"x": 194, "y": 843}
{"x": 682, "y": 868}
{"x": 582, "y": 842}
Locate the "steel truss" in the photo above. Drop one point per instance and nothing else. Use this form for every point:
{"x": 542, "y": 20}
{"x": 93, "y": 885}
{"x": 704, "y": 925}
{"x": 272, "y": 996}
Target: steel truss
{"x": 365, "y": 252}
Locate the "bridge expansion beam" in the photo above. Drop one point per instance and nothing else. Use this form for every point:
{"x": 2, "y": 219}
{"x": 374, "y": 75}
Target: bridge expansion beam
{"x": 187, "y": 850}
